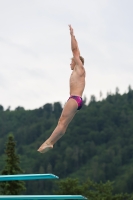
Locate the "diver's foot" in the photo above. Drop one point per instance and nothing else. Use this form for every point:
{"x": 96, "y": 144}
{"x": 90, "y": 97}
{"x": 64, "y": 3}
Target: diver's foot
{"x": 46, "y": 146}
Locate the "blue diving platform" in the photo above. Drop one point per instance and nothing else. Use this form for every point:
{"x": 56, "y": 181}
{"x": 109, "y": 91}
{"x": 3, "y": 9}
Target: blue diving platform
{"x": 38, "y": 197}
{"x": 27, "y": 177}
{"x": 34, "y": 197}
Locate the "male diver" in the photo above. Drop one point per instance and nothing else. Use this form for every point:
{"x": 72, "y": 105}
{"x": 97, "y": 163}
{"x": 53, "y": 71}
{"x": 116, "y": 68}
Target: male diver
{"x": 75, "y": 102}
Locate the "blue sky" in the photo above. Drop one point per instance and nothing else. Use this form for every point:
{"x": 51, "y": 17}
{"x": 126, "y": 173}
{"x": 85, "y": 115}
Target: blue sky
{"x": 35, "y": 49}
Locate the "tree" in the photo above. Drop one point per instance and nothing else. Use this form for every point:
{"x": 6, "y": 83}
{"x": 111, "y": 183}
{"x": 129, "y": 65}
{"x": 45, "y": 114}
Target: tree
{"x": 19, "y": 108}
{"x": 69, "y": 186}
{"x": 100, "y": 94}
{"x": 117, "y": 90}
{"x": 57, "y": 109}
{"x": 1, "y": 108}
{"x": 130, "y": 94}
{"x": 11, "y": 167}
{"x": 89, "y": 189}
{"x": 93, "y": 98}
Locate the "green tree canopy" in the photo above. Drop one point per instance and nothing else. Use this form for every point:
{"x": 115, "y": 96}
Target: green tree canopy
{"x": 11, "y": 167}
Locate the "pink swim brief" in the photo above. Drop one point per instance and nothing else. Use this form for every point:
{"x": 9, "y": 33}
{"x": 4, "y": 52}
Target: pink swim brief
{"x": 79, "y": 101}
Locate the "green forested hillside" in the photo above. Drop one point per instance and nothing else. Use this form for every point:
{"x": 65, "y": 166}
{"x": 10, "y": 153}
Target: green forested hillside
{"x": 98, "y": 143}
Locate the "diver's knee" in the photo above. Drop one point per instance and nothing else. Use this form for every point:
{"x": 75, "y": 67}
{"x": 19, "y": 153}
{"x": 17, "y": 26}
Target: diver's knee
{"x": 62, "y": 121}
{"x": 62, "y": 125}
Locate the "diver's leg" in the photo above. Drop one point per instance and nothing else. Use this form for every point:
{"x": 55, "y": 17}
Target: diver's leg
{"x": 66, "y": 117}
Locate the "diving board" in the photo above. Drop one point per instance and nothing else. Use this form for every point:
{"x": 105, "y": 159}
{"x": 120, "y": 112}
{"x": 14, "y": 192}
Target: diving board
{"x": 27, "y": 177}
{"x": 38, "y": 197}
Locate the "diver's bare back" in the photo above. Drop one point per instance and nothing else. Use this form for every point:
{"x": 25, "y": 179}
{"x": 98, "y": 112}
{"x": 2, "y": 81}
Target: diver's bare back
{"x": 77, "y": 81}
